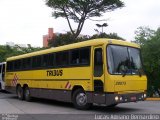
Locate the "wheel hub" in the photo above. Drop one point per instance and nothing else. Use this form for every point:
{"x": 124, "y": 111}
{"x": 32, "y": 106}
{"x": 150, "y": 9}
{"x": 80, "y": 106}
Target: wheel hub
{"x": 81, "y": 99}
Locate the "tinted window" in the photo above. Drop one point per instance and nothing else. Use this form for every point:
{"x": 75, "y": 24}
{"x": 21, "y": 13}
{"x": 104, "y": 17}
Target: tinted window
{"x": 50, "y": 60}
{"x": 10, "y": 66}
{"x": 36, "y": 61}
{"x": 67, "y": 58}
{"x": 26, "y": 63}
{"x": 75, "y": 57}
{"x": 45, "y": 60}
{"x": 84, "y": 56}
{"x": 17, "y": 65}
{"x": 80, "y": 56}
{"x": 62, "y": 58}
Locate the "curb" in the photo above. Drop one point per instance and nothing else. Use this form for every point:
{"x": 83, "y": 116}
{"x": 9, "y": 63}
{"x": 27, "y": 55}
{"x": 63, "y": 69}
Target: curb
{"x": 152, "y": 99}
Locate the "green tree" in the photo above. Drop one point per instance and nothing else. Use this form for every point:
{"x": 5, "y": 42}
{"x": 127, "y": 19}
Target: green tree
{"x": 81, "y": 10}
{"x": 104, "y": 35}
{"x": 7, "y": 51}
{"x": 2, "y": 53}
{"x": 61, "y": 39}
{"x": 150, "y": 42}
{"x": 64, "y": 39}
{"x": 143, "y": 34}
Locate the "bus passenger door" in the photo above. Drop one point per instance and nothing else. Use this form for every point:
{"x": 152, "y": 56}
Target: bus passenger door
{"x": 98, "y": 76}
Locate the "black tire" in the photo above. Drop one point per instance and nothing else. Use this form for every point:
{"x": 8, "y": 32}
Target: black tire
{"x": 79, "y": 100}
{"x": 27, "y": 95}
{"x": 20, "y": 93}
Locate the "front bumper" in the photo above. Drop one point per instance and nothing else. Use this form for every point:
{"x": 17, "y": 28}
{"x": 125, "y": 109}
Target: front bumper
{"x": 112, "y": 99}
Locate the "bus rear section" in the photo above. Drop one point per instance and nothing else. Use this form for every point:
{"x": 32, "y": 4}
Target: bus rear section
{"x": 2, "y": 75}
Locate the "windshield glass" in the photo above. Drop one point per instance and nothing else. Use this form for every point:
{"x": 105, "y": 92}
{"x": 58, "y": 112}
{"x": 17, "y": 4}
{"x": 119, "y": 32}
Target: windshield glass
{"x": 124, "y": 60}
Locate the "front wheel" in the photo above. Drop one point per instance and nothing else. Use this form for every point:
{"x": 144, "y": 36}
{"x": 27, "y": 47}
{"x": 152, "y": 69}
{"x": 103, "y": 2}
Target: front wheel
{"x": 80, "y": 100}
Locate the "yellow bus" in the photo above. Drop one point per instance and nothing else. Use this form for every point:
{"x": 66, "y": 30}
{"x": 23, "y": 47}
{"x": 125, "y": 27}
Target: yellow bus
{"x": 100, "y": 71}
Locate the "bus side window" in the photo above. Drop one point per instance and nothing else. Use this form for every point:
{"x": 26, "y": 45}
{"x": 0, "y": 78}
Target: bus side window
{"x": 50, "y": 61}
{"x": 17, "y": 65}
{"x": 80, "y": 56}
{"x": 26, "y": 63}
{"x": 45, "y": 60}
{"x": 84, "y": 56}
{"x": 10, "y": 66}
{"x": 62, "y": 59}
{"x": 36, "y": 61}
{"x": 74, "y": 57}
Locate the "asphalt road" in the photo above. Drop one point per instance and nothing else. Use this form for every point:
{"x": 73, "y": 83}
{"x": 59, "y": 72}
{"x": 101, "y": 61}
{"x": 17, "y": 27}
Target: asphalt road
{"x": 41, "y": 109}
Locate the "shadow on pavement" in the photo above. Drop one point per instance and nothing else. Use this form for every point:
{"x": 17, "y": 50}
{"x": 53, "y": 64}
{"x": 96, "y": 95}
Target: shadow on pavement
{"x": 4, "y": 91}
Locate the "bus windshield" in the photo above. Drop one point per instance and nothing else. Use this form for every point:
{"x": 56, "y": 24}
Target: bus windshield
{"x": 124, "y": 60}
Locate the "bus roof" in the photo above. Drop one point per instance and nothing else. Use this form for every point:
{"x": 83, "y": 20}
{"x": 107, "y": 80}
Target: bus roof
{"x": 93, "y": 42}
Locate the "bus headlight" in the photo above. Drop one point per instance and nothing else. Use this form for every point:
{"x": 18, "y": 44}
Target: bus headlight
{"x": 120, "y": 98}
{"x": 142, "y": 96}
{"x": 145, "y": 95}
{"x": 116, "y": 98}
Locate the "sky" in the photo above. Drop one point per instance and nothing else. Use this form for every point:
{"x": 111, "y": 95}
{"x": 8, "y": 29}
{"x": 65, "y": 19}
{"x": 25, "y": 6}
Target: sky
{"x": 26, "y": 21}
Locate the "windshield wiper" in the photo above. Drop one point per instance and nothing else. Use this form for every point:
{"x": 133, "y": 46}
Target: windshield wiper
{"x": 140, "y": 72}
{"x": 129, "y": 71}
{"x": 124, "y": 73}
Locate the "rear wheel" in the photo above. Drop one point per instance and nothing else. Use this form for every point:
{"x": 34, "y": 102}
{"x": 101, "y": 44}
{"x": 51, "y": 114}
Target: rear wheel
{"x": 27, "y": 95}
{"x": 80, "y": 99}
{"x": 20, "y": 93}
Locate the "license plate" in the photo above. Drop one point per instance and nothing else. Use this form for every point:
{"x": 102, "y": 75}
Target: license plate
{"x": 133, "y": 98}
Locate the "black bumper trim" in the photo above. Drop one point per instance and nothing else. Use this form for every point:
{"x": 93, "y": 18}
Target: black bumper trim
{"x": 124, "y": 98}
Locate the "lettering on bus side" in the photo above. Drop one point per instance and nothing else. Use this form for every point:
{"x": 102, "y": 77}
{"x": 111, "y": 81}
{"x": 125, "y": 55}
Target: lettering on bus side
{"x": 120, "y": 83}
{"x": 54, "y": 72}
